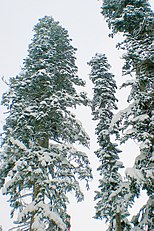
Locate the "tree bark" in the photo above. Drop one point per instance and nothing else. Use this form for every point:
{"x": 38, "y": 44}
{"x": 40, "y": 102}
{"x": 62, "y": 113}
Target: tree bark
{"x": 44, "y": 143}
{"x": 118, "y": 222}
{"x": 35, "y": 193}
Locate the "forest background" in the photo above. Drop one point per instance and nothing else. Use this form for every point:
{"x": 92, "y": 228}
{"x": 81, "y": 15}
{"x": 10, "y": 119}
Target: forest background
{"x": 89, "y": 33}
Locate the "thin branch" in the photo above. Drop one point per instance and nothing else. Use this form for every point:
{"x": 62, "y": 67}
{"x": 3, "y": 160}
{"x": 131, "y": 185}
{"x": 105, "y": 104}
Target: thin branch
{"x": 4, "y": 80}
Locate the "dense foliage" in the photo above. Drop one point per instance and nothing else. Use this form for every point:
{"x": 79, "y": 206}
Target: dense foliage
{"x": 113, "y": 195}
{"x": 135, "y": 19}
{"x": 39, "y": 164}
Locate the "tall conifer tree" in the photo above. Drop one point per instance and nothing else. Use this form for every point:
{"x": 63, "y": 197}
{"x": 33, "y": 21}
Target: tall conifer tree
{"x": 135, "y": 19}
{"x": 113, "y": 194}
{"x": 39, "y": 164}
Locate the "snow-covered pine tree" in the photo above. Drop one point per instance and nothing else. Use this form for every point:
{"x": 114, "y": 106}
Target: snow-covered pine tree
{"x": 113, "y": 194}
{"x": 39, "y": 164}
{"x": 135, "y": 19}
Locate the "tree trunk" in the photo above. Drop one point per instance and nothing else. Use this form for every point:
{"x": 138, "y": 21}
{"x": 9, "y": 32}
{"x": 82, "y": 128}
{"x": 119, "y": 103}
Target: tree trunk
{"x": 51, "y": 225}
{"x": 44, "y": 143}
{"x": 118, "y": 222}
{"x": 35, "y": 193}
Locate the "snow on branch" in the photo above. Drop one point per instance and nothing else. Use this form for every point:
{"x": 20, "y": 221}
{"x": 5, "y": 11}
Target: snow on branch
{"x": 47, "y": 213}
{"x": 117, "y": 117}
{"x": 18, "y": 143}
{"x": 134, "y": 173}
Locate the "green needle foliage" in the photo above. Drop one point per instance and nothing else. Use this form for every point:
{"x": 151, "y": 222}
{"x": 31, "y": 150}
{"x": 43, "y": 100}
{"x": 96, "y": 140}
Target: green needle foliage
{"x": 135, "y": 20}
{"x": 39, "y": 164}
{"x": 113, "y": 195}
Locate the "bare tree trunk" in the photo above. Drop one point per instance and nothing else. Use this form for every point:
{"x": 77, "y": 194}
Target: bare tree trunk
{"x": 118, "y": 222}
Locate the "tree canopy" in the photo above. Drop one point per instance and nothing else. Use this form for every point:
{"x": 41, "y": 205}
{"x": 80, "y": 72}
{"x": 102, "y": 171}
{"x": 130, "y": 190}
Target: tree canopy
{"x": 40, "y": 165}
{"x": 135, "y": 20}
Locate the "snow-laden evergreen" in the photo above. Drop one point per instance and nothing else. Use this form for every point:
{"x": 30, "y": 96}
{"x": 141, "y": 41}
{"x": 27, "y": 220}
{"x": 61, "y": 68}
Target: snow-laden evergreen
{"x": 113, "y": 194}
{"x": 39, "y": 164}
{"x": 135, "y": 19}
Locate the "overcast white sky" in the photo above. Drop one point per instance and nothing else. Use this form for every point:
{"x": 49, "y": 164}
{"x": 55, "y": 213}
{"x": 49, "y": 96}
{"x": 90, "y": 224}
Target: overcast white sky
{"x": 89, "y": 33}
